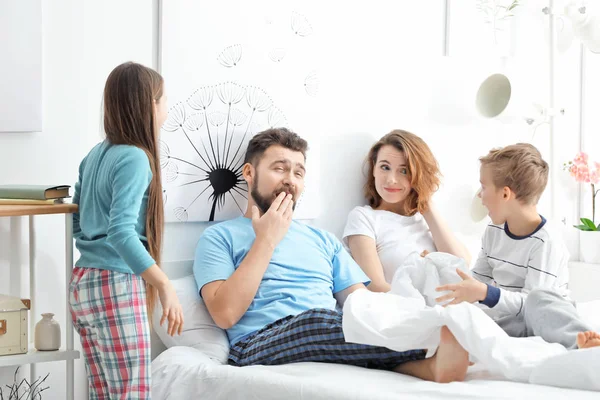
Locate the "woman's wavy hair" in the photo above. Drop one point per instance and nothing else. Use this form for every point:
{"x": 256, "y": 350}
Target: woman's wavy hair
{"x": 423, "y": 170}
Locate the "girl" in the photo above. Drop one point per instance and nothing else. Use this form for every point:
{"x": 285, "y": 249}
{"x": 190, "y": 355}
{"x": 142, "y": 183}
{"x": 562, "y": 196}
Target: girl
{"x": 403, "y": 175}
{"x": 118, "y": 232}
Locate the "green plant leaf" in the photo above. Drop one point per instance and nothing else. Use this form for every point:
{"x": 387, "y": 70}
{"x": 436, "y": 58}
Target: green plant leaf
{"x": 588, "y": 222}
{"x": 584, "y": 228}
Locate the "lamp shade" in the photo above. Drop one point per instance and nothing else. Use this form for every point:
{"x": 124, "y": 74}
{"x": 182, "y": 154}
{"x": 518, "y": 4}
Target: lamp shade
{"x": 478, "y": 210}
{"x": 493, "y": 96}
{"x": 466, "y": 89}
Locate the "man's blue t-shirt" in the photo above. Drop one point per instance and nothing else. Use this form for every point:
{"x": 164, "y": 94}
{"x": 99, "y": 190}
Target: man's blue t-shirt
{"x": 308, "y": 266}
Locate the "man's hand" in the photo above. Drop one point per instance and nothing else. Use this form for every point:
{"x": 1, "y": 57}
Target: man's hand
{"x": 470, "y": 290}
{"x": 274, "y": 224}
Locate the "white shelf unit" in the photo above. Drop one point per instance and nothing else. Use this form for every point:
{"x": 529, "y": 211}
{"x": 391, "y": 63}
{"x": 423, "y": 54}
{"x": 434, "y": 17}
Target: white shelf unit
{"x": 33, "y": 356}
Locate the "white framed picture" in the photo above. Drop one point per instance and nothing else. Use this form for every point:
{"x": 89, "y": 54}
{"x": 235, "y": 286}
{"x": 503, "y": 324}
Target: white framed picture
{"x": 21, "y": 66}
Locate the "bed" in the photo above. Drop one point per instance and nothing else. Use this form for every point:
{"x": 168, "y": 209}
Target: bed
{"x": 195, "y": 371}
{"x": 184, "y": 373}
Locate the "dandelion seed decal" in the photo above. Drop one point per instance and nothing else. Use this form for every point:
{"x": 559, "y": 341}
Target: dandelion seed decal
{"x": 237, "y": 118}
{"x": 164, "y": 154}
{"x": 171, "y": 172}
{"x": 176, "y": 118}
{"x": 311, "y": 84}
{"x": 195, "y": 122}
{"x": 230, "y": 56}
{"x": 230, "y": 93}
{"x": 201, "y": 99}
{"x": 257, "y": 99}
{"x": 277, "y": 54}
{"x": 300, "y": 25}
{"x": 211, "y": 129}
{"x": 276, "y": 118}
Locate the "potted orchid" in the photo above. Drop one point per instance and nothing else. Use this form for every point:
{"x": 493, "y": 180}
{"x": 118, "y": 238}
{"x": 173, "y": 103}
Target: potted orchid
{"x": 587, "y": 172}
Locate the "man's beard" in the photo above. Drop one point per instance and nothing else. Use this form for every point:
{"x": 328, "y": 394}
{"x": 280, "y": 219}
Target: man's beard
{"x": 264, "y": 202}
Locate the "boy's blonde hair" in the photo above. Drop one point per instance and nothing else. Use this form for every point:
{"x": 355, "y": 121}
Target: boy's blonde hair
{"x": 520, "y": 167}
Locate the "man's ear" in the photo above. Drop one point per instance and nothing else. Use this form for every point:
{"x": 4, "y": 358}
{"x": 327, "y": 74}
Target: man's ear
{"x": 248, "y": 173}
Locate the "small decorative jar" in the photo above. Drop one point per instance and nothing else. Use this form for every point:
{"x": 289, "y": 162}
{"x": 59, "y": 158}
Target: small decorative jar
{"x": 47, "y": 333}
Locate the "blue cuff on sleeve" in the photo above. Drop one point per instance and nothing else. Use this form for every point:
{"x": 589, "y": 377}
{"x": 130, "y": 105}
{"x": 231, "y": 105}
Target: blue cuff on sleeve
{"x": 492, "y": 297}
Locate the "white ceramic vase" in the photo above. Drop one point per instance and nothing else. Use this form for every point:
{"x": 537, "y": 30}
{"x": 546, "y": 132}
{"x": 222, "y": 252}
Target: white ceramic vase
{"x": 589, "y": 247}
{"x": 47, "y": 333}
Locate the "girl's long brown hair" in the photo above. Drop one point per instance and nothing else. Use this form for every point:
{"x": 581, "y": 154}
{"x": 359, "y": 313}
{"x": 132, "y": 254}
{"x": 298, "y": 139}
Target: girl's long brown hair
{"x": 129, "y": 96}
{"x": 423, "y": 169}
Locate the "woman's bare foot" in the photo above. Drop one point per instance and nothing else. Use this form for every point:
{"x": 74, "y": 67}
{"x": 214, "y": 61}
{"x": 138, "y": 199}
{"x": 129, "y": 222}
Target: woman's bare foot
{"x": 588, "y": 339}
{"x": 449, "y": 364}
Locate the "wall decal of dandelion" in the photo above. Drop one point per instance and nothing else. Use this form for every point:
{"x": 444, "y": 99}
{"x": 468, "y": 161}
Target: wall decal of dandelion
{"x": 226, "y": 82}
{"x": 215, "y": 124}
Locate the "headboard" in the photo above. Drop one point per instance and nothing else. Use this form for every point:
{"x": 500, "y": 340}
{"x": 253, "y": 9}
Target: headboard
{"x": 177, "y": 269}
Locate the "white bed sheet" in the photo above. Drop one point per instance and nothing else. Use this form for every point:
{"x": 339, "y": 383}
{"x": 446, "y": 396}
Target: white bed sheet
{"x": 186, "y": 373}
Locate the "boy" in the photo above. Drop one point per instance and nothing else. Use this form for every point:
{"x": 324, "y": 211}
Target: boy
{"x": 521, "y": 273}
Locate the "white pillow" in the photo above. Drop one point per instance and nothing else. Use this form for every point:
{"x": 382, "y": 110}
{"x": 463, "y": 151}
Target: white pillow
{"x": 199, "y": 329}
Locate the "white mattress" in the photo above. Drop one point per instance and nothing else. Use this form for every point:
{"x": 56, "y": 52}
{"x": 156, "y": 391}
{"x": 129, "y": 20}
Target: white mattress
{"x": 186, "y": 373}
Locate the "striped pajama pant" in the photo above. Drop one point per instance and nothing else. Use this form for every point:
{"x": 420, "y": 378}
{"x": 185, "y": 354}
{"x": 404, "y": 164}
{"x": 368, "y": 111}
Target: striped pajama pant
{"x": 108, "y": 309}
{"x": 314, "y": 335}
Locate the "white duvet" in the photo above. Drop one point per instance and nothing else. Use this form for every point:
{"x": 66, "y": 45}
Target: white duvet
{"x": 409, "y": 319}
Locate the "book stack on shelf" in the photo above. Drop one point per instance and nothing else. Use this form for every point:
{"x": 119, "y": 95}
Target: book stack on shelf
{"x": 33, "y": 195}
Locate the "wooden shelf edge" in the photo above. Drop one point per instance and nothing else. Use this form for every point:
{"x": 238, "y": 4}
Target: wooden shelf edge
{"x": 22, "y": 210}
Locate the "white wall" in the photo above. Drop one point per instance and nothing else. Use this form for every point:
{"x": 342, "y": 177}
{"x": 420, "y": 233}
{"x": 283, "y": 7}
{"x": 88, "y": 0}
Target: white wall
{"x": 82, "y": 42}
{"x": 369, "y": 87}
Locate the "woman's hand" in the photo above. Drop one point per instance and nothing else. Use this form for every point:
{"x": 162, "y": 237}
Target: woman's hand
{"x": 443, "y": 238}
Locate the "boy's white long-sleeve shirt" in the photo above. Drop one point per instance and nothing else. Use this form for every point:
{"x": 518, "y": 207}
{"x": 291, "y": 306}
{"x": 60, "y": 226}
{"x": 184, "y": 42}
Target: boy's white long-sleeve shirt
{"x": 512, "y": 266}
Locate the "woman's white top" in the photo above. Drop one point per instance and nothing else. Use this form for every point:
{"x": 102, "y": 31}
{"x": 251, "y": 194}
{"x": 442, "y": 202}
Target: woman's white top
{"x": 395, "y": 235}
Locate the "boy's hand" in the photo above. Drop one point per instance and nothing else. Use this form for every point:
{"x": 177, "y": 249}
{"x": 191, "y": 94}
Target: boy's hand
{"x": 470, "y": 290}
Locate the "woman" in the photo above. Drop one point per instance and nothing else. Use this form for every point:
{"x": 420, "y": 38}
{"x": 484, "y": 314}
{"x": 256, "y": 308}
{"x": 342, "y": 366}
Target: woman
{"x": 400, "y": 219}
